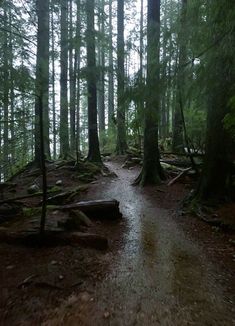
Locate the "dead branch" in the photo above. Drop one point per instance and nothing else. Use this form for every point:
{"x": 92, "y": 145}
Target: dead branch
{"x": 170, "y": 183}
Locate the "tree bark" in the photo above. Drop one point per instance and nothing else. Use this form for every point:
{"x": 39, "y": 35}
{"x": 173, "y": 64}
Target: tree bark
{"x": 42, "y": 77}
{"x": 42, "y": 91}
{"x": 111, "y": 70}
{"x": 101, "y": 88}
{"x": 178, "y": 132}
{"x": 152, "y": 172}
{"x": 72, "y": 81}
{"x": 94, "y": 150}
{"x": 215, "y": 182}
{"x": 64, "y": 132}
{"x": 6, "y": 88}
{"x": 76, "y": 85}
{"x": 12, "y": 99}
{"x": 53, "y": 86}
{"x": 121, "y": 128}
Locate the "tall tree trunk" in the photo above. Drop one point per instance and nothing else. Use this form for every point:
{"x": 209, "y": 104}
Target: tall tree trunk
{"x": 152, "y": 172}
{"x": 42, "y": 77}
{"x": 141, "y": 103}
{"x": 121, "y": 128}
{"x": 76, "y": 85}
{"x": 42, "y": 86}
{"x": 64, "y": 132}
{"x": 164, "y": 77}
{"x": 111, "y": 70}
{"x": 94, "y": 150}
{"x": 101, "y": 87}
{"x": 25, "y": 144}
{"x": 141, "y": 38}
{"x": 6, "y": 88}
{"x": 53, "y": 85}
{"x": 178, "y": 139}
{"x": 215, "y": 183}
{"x": 72, "y": 82}
{"x": 12, "y": 98}
{"x": 169, "y": 99}
{"x": 1, "y": 165}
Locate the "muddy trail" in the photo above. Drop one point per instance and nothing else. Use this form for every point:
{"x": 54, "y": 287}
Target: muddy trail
{"x": 159, "y": 276}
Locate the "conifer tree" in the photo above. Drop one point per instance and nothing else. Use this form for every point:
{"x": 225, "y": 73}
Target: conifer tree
{"x": 94, "y": 149}
{"x": 121, "y": 128}
{"x": 152, "y": 172}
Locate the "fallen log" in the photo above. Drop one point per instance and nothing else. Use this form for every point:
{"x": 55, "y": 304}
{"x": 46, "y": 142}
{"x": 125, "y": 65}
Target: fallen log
{"x": 17, "y": 198}
{"x": 195, "y": 154}
{"x": 177, "y": 163}
{"x": 171, "y": 168}
{"x": 137, "y": 160}
{"x": 66, "y": 195}
{"x": 54, "y": 238}
{"x": 96, "y": 208}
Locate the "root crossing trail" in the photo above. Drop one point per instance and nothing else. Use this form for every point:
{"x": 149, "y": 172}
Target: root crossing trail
{"x": 158, "y": 277}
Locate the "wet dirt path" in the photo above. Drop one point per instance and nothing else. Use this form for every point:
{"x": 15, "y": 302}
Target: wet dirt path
{"x": 159, "y": 277}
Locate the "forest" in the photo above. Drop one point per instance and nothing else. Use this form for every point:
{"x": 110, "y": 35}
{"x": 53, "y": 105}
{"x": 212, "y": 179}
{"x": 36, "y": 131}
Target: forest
{"x": 117, "y": 162}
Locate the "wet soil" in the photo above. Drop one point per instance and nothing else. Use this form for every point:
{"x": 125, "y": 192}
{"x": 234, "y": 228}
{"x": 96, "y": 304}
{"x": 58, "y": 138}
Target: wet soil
{"x": 36, "y": 279}
{"x": 165, "y": 270}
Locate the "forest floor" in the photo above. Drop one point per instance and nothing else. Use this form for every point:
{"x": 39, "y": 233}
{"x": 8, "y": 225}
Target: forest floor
{"x": 162, "y": 267}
